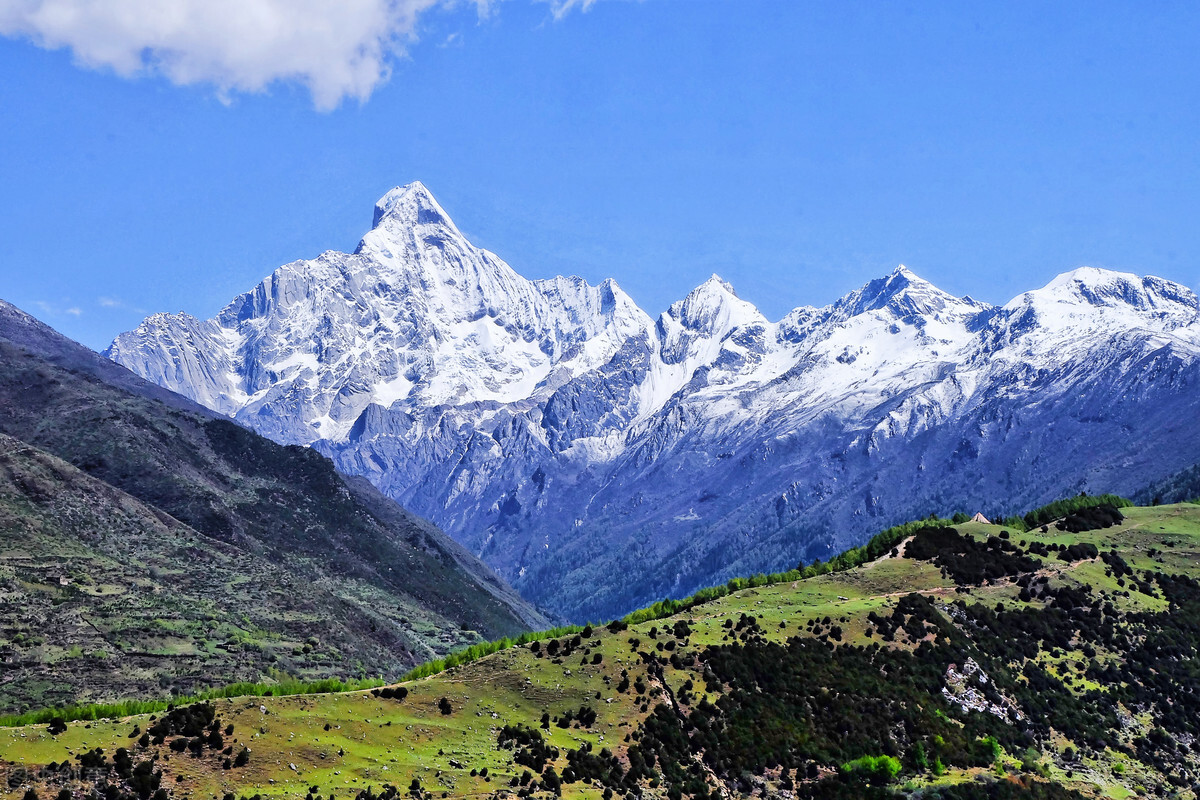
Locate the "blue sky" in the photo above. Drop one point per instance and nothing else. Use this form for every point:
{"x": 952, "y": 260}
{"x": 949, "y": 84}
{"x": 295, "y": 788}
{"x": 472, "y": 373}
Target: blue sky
{"x": 798, "y": 149}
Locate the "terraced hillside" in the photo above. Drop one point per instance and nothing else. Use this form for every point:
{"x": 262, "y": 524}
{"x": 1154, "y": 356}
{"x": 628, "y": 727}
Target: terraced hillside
{"x": 965, "y": 662}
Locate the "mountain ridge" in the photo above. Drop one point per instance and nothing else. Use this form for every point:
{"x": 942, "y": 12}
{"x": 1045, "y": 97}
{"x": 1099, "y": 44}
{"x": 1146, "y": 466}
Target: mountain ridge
{"x": 155, "y": 545}
{"x": 556, "y": 429}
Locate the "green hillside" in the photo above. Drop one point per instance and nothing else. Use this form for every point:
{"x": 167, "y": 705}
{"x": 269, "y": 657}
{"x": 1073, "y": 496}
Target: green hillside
{"x": 965, "y": 662}
{"x": 148, "y": 547}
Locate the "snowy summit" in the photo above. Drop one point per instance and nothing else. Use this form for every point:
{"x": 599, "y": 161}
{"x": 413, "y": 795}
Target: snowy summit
{"x": 557, "y": 429}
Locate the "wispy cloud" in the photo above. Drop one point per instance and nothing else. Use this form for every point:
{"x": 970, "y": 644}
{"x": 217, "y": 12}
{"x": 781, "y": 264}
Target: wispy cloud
{"x": 54, "y": 310}
{"x": 107, "y": 301}
{"x": 560, "y": 8}
{"x": 338, "y": 49}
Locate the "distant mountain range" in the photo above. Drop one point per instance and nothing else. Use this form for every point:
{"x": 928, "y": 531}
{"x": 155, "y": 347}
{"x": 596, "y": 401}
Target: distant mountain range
{"x": 149, "y": 545}
{"x": 599, "y": 458}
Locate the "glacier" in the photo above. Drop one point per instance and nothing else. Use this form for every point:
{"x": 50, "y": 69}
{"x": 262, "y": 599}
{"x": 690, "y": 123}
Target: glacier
{"x": 599, "y": 458}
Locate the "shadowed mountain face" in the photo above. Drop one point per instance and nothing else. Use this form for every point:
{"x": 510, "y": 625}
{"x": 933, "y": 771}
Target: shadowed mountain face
{"x": 1182, "y": 487}
{"x": 600, "y": 459}
{"x": 150, "y": 543}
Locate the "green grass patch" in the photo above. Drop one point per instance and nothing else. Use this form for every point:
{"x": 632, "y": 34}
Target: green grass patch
{"x": 129, "y": 708}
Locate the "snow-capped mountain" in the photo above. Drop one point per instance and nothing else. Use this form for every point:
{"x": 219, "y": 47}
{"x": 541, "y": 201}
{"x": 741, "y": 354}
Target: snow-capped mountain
{"x": 599, "y": 458}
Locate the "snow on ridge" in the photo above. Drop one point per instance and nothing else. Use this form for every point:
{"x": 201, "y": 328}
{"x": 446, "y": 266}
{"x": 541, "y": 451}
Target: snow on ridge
{"x": 515, "y": 412}
{"x": 1109, "y": 288}
{"x": 412, "y": 204}
{"x": 714, "y": 308}
{"x": 904, "y": 294}
{"x": 1087, "y": 308}
{"x": 416, "y": 308}
{"x": 421, "y": 317}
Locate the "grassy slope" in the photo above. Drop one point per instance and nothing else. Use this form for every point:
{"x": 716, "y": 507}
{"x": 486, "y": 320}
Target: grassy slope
{"x": 240, "y": 488}
{"x": 372, "y": 741}
{"x": 102, "y": 596}
{"x": 228, "y": 554}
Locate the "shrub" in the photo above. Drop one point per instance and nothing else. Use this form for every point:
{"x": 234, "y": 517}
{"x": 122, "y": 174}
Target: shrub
{"x": 1090, "y": 519}
{"x": 876, "y": 770}
{"x": 1078, "y": 552}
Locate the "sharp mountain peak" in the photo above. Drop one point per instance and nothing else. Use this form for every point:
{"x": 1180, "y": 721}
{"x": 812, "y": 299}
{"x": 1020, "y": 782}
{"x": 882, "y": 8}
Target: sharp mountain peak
{"x": 412, "y": 204}
{"x": 550, "y": 423}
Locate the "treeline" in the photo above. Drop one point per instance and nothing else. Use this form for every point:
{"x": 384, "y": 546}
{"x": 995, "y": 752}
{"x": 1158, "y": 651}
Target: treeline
{"x": 1052, "y": 511}
{"x": 1062, "y": 508}
{"x": 478, "y": 651}
{"x": 878, "y": 545}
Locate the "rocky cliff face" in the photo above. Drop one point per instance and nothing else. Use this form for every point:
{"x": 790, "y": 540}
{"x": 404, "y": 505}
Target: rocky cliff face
{"x": 600, "y": 459}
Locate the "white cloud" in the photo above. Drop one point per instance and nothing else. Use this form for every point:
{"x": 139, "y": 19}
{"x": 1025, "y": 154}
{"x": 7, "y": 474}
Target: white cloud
{"x": 106, "y": 301}
{"x": 560, "y": 8}
{"x": 338, "y": 49}
{"x": 54, "y": 310}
